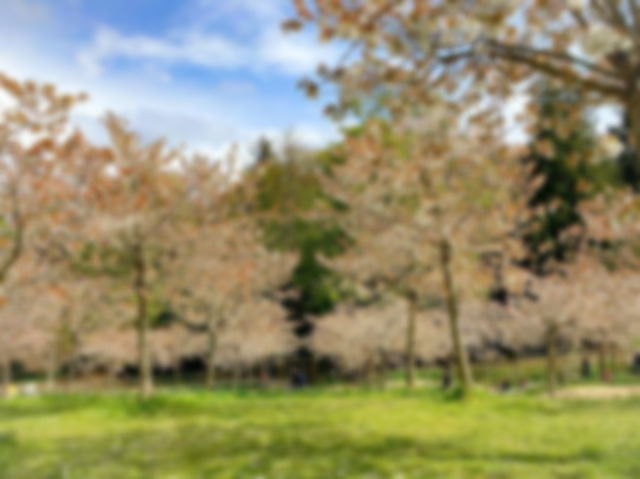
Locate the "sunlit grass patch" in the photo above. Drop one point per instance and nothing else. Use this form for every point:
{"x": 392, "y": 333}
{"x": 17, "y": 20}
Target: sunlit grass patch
{"x": 317, "y": 434}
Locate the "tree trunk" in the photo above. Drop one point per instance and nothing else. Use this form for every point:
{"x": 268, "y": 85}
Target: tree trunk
{"x": 281, "y": 370}
{"x": 605, "y": 373}
{"x": 612, "y": 359}
{"x": 633, "y": 115}
{"x": 74, "y": 365}
{"x": 264, "y": 379}
{"x": 237, "y": 377}
{"x": 52, "y": 369}
{"x": 382, "y": 371}
{"x": 515, "y": 367}
{"x": 312, "y": 376}
{"x": 178, "y": 377}
{"x": 212, "y": 347}
{"x": 6, "y": 377}
{"x": 552, "y": 358}
{"x": 446, "y": 379}
{"x": 17, "y": 246}
{"x": 461, "y": 358}
{"x": 142, "y": 320}
{"x": 410, "y": 346}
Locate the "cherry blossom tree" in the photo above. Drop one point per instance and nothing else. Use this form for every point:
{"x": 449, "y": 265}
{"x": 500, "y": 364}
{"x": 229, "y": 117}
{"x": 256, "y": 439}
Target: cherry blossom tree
{"x": 33, "y": 124}
{"x": 477, "y": 50}
{"x": 222, "y": 267}
{"x": 135, "y": 206}
{"x": 450, "y": 190}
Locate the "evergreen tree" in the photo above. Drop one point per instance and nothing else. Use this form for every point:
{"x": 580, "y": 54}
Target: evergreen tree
{"x": 564, "y": 173}
{"x": 290, "y": 190}
{"x": 264, "y": 151}
{"x": 628, "y": 166}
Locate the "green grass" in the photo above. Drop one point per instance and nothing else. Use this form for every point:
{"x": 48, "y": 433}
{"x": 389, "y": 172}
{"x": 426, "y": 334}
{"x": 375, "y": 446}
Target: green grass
{"x": 533, "y": 370}
{"x": 317, "y": 434}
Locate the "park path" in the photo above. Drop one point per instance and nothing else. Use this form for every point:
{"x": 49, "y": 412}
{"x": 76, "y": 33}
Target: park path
{"x": 600, "y": 392}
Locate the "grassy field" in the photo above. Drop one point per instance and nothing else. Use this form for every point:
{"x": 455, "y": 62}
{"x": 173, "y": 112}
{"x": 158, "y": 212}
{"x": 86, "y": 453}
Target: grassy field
{"x": 318, "y": 434}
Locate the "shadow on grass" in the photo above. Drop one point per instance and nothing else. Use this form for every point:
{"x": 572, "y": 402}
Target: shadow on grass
{"x": 44, "y": 405}
{"x": 285, "y": 450}
{"x": 184, "y": 403}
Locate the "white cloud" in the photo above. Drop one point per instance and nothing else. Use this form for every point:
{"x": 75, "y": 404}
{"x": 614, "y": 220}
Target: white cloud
{"x": 295, "y": 54}
{"x": 210, "y": 121}
{"x": 198, "y": 42}
{"x": 210, "y": 51}
{"x": 159, "y": 101}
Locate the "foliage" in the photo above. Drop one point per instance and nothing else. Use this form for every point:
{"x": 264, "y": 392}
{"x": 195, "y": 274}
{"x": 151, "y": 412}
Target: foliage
{"x": 475, "y": 52}
{"x": 564, "y": 173}
{"x": 291, "y": 192}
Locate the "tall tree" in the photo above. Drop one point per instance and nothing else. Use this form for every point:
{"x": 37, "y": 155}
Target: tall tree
{"x": 564, "y": 173}
{"x": 33, "y": 125}
{"x": 388, "y": 261}
{"x": 449, "y": 190}
{"x": 135, "y": 209}
{"x": 221, "y": 269}
{"x": 288, "y": 195}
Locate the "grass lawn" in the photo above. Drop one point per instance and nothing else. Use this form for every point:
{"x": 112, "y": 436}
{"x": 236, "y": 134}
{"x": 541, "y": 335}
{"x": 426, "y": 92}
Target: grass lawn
{"x": 318, "y": 434}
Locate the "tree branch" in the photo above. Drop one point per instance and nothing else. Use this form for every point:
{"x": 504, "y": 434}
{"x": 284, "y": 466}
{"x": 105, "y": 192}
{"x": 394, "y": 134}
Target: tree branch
{"x": 18, "y": 239}
{"x": 612, "y": 15}
{"x": 553, "y": 55}
{"x": 568, "y": 75}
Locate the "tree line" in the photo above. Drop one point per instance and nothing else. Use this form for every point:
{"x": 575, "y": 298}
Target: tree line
{"x": 421, "y": 236}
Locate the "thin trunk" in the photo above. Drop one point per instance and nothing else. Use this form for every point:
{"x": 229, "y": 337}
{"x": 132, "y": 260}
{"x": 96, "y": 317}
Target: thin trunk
{"x": 177, "y": 372}
{"x": 52, "y": 370}
{"x": 585, "y": 366}
{"x": 515, "y": 363}
{"x": 142, "y": 320}
{"x": 633, "y": 113}
{"x": 612, "y": 359}
{"x": 112, "y": 376}
{"x": 369, "y": 371}
{"x": 552, "y": 359}
{"x": 313, "y": 369}
{"x": 461, "y": 358}
{"x": 237, "y": 377}
{"x": 446, "y": 374}
{"x": 17, "y": 246}
{"x": 410, "y": 346}
{"x": 264, "y": 375}
{"x": 212, "y": 348}
{"x": 382, "y": 371}
{"x": 281, "y": 370}
{"x": 74, "y": 365}
{"x": 605, "y": 373}
{"x": 6, "y": 377}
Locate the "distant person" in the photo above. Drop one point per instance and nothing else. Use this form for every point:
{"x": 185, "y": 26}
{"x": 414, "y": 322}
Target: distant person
{"x": 298, "y": 379}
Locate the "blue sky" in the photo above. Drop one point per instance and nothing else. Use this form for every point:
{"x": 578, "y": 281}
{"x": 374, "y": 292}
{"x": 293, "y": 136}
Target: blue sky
{"x": 209, "y": 73}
